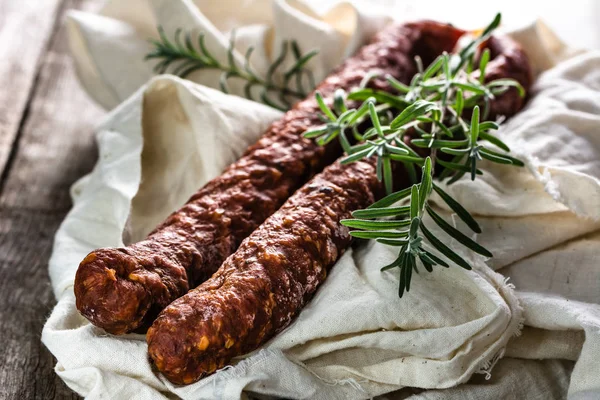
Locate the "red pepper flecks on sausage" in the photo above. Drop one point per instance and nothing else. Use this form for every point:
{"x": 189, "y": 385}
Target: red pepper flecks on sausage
{"x": 122, "y": 289}
{"x": 262, "y": 286}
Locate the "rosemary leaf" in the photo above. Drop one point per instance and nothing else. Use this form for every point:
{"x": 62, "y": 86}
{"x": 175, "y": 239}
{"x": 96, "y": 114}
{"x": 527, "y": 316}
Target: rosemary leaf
{"x": 406, "y": 159}
{"x": 356, "y": 156}
{"x": 300, "y": 64}
{"x": 490, "y": 153}
{"x": 339, "y": 105}
{"x": 413, "y": 262}
{"x": 409, "y": 268}
{"x": 391, "y": 199}
{"x": 443, "y": 128}
{"x": 473, "y": 161}
{"x": 414, "y": 110}
{"x": 375, "y": 120}
{"x": 396, "y": 84}
{"x": 402, "y": 281}
{"x": 374, "y": 225}
{"x": 387, "y": 174}
{"x": 442, "y": 248}
{"x": 487, "y": 126}
{"x": 495, "y": 158}
{"x": 324, "y": 107}
{"x": 456, "y": 166}
{"x": 433, "y": 68}
{"x": 447, "y": 171}
{"x": 345, "y": 115}
{"x": 427, "y": 264}
{"x": 393, "y": 242}
{"x": 485, "y": 58}
{"x": 394, "y": 263}
{"x": 435, "y": 260}
{"x": 494, "y": 140}
{"x": 456, "y": 234}
{"x": 455, "y": 152}
{"x": 378, "y": 234}
{"x": 379, "y": 168}
{"x": 507, "y": 83}
{"x": 316, "y": 132}
{"x": 425, "y": 143}
{"x": 361, "y": 112}
{"x": 368, "y": 78}
{"x": 426, "y": 183}
{"x": 469, "y": 87}
{"x": 414, "y": 227}
{"x": 456, "y": 177}
{"x": 414, "y": 202}
{"x": 396, "y": 150}
{"x": 370, "y": 213}
{"x": 379, "y": 96}
{"x": 400, "y": 143}
{"x": 474, "y": 130}
{"x": 466, "y": 54}
{"x": 459, "y": 102}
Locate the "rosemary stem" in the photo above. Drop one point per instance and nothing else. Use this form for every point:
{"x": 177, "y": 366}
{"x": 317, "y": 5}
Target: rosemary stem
{"x": 182, "y": 57}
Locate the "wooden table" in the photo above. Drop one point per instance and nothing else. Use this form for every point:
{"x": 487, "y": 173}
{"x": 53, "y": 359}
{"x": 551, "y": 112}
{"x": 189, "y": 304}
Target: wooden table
{"x": 46, "y": 144}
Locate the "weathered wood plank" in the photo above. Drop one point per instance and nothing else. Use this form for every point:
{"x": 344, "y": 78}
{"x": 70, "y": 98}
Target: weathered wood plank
{"x": 25, "y": 28}
{"x": 26, "y": 367}
{"x": 55, "y": 147}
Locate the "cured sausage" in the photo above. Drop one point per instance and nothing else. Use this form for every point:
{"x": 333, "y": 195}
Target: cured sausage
{"x": 508, "y": 60}
{"x": 262, "y": 286}
{"x": 123, "y": 289}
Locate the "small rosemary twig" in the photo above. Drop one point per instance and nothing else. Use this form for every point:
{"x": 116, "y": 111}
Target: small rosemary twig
{"x": 182, "y": 58}
{"x": 431, "y": 109}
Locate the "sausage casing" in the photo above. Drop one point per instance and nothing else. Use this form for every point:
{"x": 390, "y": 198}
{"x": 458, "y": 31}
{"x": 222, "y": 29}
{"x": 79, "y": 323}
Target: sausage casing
{"x": 262, "y": 286}
{"x": 122, "y": 289}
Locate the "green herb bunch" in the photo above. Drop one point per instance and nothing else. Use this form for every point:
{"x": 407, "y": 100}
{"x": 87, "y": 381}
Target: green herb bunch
{"x": 277, "y": 89}
{"x": 428, "y": 113}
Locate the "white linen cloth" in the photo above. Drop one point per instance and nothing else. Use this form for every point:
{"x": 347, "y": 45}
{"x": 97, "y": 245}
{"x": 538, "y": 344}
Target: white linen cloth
{"x": 356, "y": 338}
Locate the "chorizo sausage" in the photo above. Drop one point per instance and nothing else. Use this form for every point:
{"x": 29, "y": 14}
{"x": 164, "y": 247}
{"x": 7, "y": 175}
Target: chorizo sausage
{"x": 122, "y": 289}
{"x": 262, "y": 286}
{"x": 508, "y": 60}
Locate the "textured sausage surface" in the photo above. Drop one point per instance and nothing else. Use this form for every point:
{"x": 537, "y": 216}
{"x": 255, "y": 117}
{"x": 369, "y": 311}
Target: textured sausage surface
{"x": 508, "y": 60}
{"x": 123, "y": 289}
{"x": 262, "y": 286}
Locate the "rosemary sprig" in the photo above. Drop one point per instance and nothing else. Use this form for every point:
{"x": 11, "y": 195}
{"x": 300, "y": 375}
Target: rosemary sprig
{"x": 278, "y": 89}
{"x": 429, "y": 113}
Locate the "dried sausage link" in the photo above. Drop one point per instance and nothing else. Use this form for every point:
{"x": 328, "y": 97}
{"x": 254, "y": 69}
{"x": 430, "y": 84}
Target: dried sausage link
{"x": 264, "y": 284}
{"x": 261, "y": 287}
{"x": 122, "y": 289}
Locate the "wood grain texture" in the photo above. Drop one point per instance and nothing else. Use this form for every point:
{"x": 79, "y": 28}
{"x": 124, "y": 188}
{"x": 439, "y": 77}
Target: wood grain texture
{"x": 23, "y": 49}
{"x": 46, "y": 143}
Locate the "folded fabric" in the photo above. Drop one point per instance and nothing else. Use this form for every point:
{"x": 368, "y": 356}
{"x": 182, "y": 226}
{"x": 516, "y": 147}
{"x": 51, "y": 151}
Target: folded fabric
{"x": 356, "y": 339}
{"x": 109, "y": 48}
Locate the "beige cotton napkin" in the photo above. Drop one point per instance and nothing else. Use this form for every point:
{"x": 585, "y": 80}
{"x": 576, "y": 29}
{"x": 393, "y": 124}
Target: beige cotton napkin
{"x": 356, "y": 339}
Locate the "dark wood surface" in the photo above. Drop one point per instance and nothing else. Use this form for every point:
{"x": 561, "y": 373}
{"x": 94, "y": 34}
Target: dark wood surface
{"x": 46, "y": 143}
